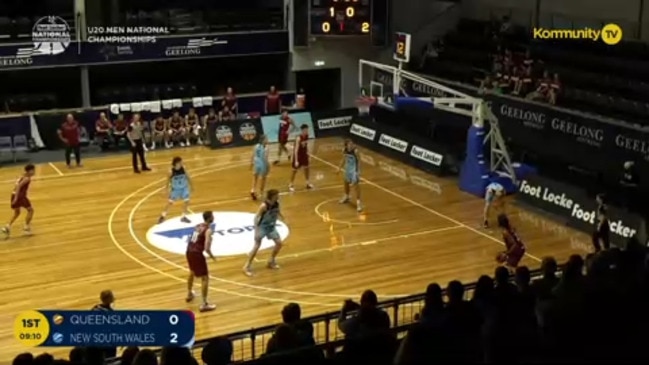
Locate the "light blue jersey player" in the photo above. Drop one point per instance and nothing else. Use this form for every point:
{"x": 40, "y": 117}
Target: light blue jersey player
{"x": 260, "y": 166}
{"x": 350, "y": 165}
{"x": 179, "y": 186}
{"x": 266, "y": 227}
{"x": 494, "y": 194}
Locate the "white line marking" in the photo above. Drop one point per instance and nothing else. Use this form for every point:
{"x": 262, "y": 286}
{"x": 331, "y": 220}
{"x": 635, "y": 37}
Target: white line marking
{"x": 232, "y": 282}
{"x": 431, "y": 211}
{"x": 327, "y": 219}
{"x": 370, "y": 243}
{"x": 284, "y": 193}
{"x": 263, "y": 288}
{"x": 56, "y": 169}
{"x": 121, "y": 168}
{"x": 117, "y": 244}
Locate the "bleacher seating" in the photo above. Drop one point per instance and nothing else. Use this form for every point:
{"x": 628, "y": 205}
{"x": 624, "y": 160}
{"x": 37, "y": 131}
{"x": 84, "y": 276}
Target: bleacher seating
{"x": 597, "y": 79}
{"x": 207, "y": 16}
{"x": 594, "y": 311}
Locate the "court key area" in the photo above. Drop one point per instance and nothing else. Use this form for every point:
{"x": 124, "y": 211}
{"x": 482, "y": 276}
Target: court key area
{"x": 95, "y": 228}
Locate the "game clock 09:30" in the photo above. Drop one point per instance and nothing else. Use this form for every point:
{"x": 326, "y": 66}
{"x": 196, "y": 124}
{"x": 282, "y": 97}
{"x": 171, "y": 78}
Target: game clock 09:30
{"x": 341, "y": 17}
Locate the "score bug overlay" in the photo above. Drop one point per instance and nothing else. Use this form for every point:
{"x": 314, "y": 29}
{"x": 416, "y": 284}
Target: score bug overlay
{"x": 54, "y": 328}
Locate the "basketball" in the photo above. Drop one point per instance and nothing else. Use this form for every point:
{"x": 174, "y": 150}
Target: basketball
{"x": 501, "y": 257}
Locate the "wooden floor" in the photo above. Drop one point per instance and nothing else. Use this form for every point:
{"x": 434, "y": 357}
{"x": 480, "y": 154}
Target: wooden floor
{"x": 91, "y": 225}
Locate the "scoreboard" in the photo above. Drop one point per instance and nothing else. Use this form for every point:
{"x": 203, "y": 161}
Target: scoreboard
{"x": 54, "y": 328}
{"x": 340, "y": 17}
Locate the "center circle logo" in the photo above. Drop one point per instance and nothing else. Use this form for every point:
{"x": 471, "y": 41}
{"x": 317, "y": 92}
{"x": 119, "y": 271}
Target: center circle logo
{"x": 51, "y": 35}
{"x": 234, "y": 234}
{"x": 248, "y": 131}
{"x": 224, "y": 134}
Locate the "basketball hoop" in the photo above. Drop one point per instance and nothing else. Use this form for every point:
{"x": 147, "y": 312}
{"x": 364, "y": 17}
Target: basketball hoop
{"x": 364, "y": 103}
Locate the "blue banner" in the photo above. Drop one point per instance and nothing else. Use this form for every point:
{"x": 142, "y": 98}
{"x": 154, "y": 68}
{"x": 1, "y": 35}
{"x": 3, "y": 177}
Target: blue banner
{"x": 271, "y": 126}
{"x": 586, "y": 141}
{"x": 54, "y": 328}
{"x": 24, "y": 56}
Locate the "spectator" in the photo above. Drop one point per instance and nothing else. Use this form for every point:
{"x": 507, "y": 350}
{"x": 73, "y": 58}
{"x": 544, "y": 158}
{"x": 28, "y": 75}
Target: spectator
{"x": 292, "y": 315}
{"x": 462, "y": 325}
{"x": 145, "y": 357}
{"x": 95, "y": 356}
{"x": 107, "y": 299}
{"x": 433, "y": 311}
{"x": 77, "y": 355}
{"x": 483, "y": 295}
{"x": 226, "y": 115}
{"x": 555, "y": 89}
{"x": 23, "y": 359}
{"x": 300, "y": 100}
{"x": 501, "y": 324}
{"x": 176, "y": 356}
{"x": 43, "y": 359}
{"x": 368, "y": 319}
{"x": 543, "y": 287}
{"x": 542, "y": 91}
{"x": 129, "y": 355}
{"x": 523, "y": 284}
{"x": 120, "y": 128}
{"x": 432, "y": 51}
{"x": 230, "y": 101}
{"x": 285, "y": 339}
{"x": 103, "y": 131}
{"x": 217, "y": 352}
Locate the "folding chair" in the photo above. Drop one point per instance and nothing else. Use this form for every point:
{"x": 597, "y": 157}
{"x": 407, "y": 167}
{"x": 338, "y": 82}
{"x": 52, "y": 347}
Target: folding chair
{"x": 20, "y": 145}
{"x": 6, "y": 145}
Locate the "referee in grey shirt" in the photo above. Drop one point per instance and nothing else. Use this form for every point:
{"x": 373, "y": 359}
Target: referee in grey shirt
{"x": 135, "y": 135}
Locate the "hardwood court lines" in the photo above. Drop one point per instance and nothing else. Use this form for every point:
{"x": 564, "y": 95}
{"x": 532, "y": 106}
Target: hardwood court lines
{"x": 132, "y": 257}
{"x": 145, "y": 247}
{"x": 86, "y": 171}
{"x": 429, "y": 210}
{"x": 327, "y": 218}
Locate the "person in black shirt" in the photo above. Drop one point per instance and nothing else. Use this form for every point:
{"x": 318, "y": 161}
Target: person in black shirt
{"x": 629, "y": 182}
{"x": 107, "y": 299}
{"x": 601, "y": 235}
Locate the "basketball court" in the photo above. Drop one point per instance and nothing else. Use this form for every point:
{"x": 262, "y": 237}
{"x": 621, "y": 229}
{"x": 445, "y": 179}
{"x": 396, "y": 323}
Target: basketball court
{"x": 95, "y": 229}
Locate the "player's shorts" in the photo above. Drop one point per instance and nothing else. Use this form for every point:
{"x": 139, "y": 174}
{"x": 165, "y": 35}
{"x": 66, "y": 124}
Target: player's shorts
{"x": 178, "y": 194}
{"x": 489, "y": 197}
{"x": 300, "y": 162}
{"x": 283, "y": 138}
{"x": 267, "y": 232}
{"x": 351, "y": 177}
{"x": 21, "y": 202}
{"x": 260, "y": 170}
{"x": 515, "y": 257}
{"x": 197, "y": 263}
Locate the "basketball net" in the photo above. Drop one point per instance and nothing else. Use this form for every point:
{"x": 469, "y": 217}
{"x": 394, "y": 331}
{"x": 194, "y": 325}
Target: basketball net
{"x": 364, "y": 103}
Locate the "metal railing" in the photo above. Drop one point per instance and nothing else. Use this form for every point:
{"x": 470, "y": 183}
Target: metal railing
{"x": 251, "y": 344}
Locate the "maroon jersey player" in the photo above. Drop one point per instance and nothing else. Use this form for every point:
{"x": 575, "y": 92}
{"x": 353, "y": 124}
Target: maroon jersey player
{"x": 19, "y": 200}
{"x": 301, "y": 157}
{"x": 515, "y": 248}
{"x": 273, "y": 102}
{"x": 285, "y": 126}
{"x": 200, "y": 244}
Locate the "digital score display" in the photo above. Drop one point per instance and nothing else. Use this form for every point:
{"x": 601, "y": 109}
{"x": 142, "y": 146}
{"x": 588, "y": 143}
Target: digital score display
{"x": 341, "y": 17}
{"x": 56, "y": 328}
{"x": 401, "y": 52}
